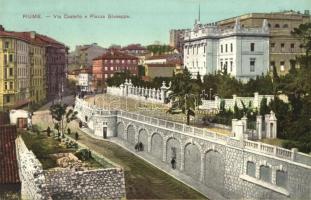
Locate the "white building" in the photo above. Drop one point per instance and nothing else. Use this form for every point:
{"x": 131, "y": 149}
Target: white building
{"x": 244, "y": 52}
{"x": 85, "y": 80}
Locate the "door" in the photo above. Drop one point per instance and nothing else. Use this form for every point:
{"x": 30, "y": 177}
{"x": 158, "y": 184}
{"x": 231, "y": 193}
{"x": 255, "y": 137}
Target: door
{"x": 105, "y": 132}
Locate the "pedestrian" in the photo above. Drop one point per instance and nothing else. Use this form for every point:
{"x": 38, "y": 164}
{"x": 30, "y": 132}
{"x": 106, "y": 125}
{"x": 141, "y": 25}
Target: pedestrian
{"x": 77, "y": 136}
{"x": 173, "y": 163}
{"x": 48, "y": 131}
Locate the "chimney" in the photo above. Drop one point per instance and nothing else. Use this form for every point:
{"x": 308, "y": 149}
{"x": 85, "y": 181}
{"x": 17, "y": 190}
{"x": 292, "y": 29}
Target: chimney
{"x": 32, "y": 34}
{"x": 1, "y": 28}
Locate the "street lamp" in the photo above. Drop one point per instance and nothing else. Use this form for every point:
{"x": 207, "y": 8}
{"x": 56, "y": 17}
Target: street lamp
{"x": 210, "y": 93}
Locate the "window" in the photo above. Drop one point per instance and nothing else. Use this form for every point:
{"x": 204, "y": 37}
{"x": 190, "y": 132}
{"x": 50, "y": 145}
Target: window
{"x": 11, "y": 85}
{"x": 10, "y": 71}
{"x": 251, "y": 169}
{"x": 221, "y": 65}
{"x": 6, "y": 45}
{"x": 252, "y": 64}
{"x": 5, "y": 59}
{"x": 292, "y": 45}
{"x": 277, "y": 25}
{"x": 7, "y": 99}
{"x": 106, "y": 75}
{"x": 231, "y": 47}
{"x": 221, "y": 48}
{"x": 282, "y": 45}
{"x": 231, "y": 65}
{"x": 281, "y": 178}
{"x": 226, "y": 47}
{"x": 111, "y": 68}
{"x": 265, "y": 173}
{"x": 272, "y": 65}
{"x": 282, "y": 67}
{"x": 106, "y": 68}
{"x": 10, "y": 58}
{"x": 272, "y": 45}
{"x": 5, "y": 85}
{"x": 285, "y": 26}
{"x": 252, "y": 46}
{"x": 204, "y": 47}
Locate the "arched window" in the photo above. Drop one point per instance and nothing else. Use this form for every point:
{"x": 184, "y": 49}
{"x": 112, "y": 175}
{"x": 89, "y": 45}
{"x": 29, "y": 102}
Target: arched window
{"x": 285, "y": 26}
{"x": 277, "y": 25}
{"x": 265, "y": 173}
{"x": 251, "y": 169}
{"x": 281, "y": 178}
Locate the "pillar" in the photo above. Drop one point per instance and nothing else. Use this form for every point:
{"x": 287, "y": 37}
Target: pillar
{"x": 164, "y": 150}
{"x": 239, "y": 130}
{"x": 259, "y": 126}
{"x": 163, "y": 90}
{"x": 202, "y": 167}
{"x": 256, "y": 102}
{"x": 267, "y": 126}
{"x": 122, "y": 90}
{"x": 244, "y": 121}
{"x": 182, "y": 158}
{"x": 273, "y": 125}
{"x": 233, "y": 124}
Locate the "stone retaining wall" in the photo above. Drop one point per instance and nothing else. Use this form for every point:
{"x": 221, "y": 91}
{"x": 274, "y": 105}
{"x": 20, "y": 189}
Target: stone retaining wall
{"x": 39, "y": 184}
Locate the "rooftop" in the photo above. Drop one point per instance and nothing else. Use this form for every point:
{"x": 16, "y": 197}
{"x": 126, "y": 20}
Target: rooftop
{"x": 112, "y": 54}
{"x": 8, "y": 161}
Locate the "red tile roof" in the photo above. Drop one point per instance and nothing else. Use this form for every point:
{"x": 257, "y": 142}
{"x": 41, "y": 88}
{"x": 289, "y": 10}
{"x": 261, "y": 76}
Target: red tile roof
{"x": 38, "y": 39}
{"x": 113, "y": 54}
{"x": 8, "y": 161}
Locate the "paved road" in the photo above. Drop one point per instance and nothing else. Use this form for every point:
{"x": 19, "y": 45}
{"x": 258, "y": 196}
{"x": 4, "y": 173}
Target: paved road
{"x": 143, "y": 181}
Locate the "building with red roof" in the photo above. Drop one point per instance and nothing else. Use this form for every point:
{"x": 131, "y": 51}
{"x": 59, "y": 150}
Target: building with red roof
{"x": 33, "y": 68}
{"x": 111, "y": 62}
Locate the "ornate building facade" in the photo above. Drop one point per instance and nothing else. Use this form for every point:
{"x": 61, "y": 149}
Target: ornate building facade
{"x": 242, "y": 52}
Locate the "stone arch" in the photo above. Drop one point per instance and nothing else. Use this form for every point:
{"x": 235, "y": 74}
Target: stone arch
{"x": 173, "y": 149}
{"x": 214, "y": 172}
{"x": 192, "y": 153}
{"x": 143, "y": 138}
{"x": 131, "y": 132}
{"x": 120, "y": 130}
{"x": 157, "y": 145}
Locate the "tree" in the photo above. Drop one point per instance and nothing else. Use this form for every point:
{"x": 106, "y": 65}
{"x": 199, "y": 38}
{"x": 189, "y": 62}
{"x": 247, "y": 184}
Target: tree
{"x": 303, "y": 33}
{"x": 264, "y": 109}
{"x": 62, "y": 116}
{"x": 141, "y": 70}
{"x": 185, "y": 95}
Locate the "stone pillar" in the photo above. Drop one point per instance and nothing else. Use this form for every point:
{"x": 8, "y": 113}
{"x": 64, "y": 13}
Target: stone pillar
{"x": 126, "y": 88}
{"x": 164, "y": 150}
{"x": 244, "y": 121}
{"x": 239, "y": 130}
{"x": 202, "y": 169}
{"x": 158, "y": 94}
{"x": 149, "y": 143}
{"x": 273, "y": 125}
{"x": 153, "y": 93}
{"x": 267, "y": 126}
{"x": 259, "y": 126}
{"x": 294, "y": 152}
{"x": 217, "y": 102}
{"x": 163, "y": 90}
{"x": 182, "y": 159}
{"x": 233, "y": 124}
{"x": 150, "y": 93}
{"x": 122, "y": 90}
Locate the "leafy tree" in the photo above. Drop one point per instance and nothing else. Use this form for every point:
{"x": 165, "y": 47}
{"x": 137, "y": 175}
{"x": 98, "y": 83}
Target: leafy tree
{"x": 264, "y": 109}
{"x": 141, "y": 71}
{"x": 62, "y": 116}
{"x": 184, "y": 95}
{"x": 303, "y": 33}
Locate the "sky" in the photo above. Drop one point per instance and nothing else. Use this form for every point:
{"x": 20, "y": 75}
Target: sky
{"x": 148, "y": 20}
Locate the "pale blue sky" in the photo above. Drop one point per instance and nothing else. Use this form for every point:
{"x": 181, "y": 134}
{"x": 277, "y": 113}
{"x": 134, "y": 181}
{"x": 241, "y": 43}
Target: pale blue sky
{"x": 150, "y": 20}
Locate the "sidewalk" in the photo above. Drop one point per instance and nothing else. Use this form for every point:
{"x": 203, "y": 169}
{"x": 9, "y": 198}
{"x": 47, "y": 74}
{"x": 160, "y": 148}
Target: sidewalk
{"x": 211, "y": 194}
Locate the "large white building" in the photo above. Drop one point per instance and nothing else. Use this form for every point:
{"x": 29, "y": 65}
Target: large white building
{"x": 244, "y": 52}
{"x": 85, "y": 80}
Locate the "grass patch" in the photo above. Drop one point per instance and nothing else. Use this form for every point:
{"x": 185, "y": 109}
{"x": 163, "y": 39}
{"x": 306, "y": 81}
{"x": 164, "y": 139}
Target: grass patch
{"x": 275, "y": 141}
{"x": 42, "y": 146}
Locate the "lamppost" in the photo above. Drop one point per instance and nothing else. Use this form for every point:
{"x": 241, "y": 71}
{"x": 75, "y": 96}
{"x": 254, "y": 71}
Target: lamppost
{"x": 210, "y": 93}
